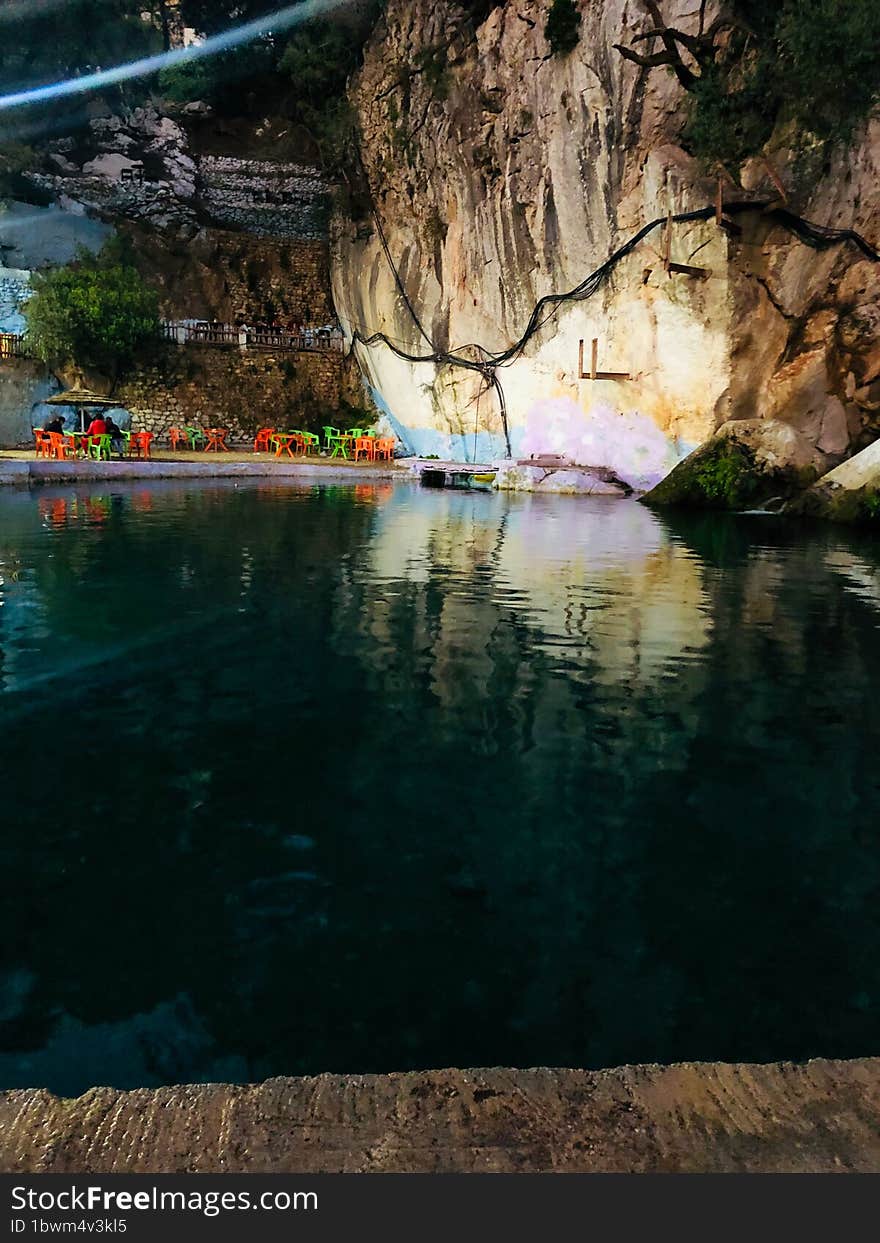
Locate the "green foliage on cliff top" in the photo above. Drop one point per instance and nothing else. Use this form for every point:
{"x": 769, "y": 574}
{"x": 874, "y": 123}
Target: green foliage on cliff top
{"x": 302, "y": 74}
{"x": 813, "y": 65}
{"x": 317, "y": 63}
{"x": 96, "y": 313}
{"x": 563, "y": 27}
{"x": 49, "y": 43}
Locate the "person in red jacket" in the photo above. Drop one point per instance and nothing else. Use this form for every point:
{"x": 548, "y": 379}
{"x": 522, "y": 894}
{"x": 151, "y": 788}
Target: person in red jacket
{"x": 96, "y": 428}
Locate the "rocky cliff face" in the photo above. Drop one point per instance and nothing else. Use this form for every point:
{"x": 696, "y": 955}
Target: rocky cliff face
{"x": 502, "y": 173}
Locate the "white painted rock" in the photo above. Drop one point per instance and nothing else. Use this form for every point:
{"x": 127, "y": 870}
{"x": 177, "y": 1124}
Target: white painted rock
{"x": 571, "y": 481}
{"x": 109, "y": 166}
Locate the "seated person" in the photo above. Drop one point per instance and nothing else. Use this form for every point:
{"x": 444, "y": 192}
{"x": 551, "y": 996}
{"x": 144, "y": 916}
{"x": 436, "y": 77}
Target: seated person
{"x": 55, "y": 424}
{"x": 115, "y": 434}
{"x": 97, "y": 427}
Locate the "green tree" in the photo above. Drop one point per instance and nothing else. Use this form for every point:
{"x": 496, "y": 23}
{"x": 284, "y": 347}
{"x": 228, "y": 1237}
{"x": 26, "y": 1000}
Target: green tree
{"x": 47, "y": 43}
{"x": 317, "y": 62}
{"x": 96, "y": 313}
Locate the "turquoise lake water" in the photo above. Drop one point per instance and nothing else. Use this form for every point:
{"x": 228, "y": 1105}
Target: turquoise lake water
{"x": 368, "y": 779}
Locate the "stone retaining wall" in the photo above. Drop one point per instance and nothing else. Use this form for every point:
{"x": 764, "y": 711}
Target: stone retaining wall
{"x": 241, "y": 390}
{"x": 263, "y": 198}
{"x": 14, "y": 292}
{"x": 233, "y": 277}
{"x": 24, "y": 384}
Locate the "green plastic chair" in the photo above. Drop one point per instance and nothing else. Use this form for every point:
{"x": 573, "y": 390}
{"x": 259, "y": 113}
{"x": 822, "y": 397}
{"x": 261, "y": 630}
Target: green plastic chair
{"x": 354, "y": 431}
{"x": 312, "y": 442}
{"x": 330, "y": 433}
{"x": 99, "y": 448}
{"x": 193, "y": 434}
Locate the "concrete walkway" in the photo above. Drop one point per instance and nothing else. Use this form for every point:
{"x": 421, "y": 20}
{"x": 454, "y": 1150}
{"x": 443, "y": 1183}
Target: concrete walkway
{"x": 695, "y": 1118}
{"x": 22, "y": 468}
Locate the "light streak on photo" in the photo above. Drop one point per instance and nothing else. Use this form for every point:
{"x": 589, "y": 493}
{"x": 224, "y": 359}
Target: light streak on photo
{"x": 272, "y": 23}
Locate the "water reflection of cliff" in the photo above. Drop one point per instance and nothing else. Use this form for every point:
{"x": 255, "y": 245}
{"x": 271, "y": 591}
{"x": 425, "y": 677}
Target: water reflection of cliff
{"x": 601, "y": 587}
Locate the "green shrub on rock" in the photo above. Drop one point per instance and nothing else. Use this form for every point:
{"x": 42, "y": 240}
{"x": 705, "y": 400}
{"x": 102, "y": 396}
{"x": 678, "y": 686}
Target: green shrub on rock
{"x": 720, "y": 475}
{"x": 728, "y": 473}
{"x": 726, "y": 477}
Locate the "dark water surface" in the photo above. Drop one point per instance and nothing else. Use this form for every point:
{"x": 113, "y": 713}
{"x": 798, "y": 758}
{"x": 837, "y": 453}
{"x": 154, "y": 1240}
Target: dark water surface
{"x": 361, "y": 780}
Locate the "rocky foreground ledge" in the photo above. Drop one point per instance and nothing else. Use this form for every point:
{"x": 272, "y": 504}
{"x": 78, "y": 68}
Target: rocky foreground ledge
{"x": 822, "y": 1116}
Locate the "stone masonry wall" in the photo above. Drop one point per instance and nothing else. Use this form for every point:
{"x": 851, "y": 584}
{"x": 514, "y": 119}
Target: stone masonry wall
{"x": 266, "y": 199}
{"x": 234, "y": 277}
{"x": 241, "y": 390}
{"x": 14, "y": 292}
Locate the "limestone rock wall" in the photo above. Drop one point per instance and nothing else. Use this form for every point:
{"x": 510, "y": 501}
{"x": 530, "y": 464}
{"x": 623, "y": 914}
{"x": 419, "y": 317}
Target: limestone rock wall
{"x": 502, "y": 173}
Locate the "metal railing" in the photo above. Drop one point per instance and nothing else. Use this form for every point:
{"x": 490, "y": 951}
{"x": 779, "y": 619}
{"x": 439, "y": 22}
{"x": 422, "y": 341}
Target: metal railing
{"x": 188, "y": 332}
{"x": 13, "y": 345}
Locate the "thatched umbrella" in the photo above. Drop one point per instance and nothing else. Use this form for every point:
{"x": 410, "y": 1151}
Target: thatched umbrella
{"x": 81, "y": 399}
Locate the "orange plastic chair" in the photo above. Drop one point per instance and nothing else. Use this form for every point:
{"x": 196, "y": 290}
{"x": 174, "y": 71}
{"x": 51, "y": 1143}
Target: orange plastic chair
{"x": 262, "y": 441}
{"x": 43, "y": 443}
{"x": 365, "y": 446}
{"x": 384, "y": 448}
{"x": 175, "y": 435}
{"x": 57, "y": 446}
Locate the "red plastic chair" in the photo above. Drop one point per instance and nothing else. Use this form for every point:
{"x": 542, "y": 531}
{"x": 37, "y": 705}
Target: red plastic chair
{"x": 216, "y": 440}
{"x": 175, "y": 435}
{"x": 140, "y": 443}
{"x": 263, "y": 440}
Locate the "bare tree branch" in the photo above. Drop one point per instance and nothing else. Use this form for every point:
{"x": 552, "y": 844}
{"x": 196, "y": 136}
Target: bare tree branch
{"x": 685, "y": 76}
{"x": 649, "y": 60}
{"x": 703, "y": 47}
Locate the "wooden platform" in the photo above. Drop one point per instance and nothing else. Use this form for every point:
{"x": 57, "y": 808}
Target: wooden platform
{"x": 452, "y": 474}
